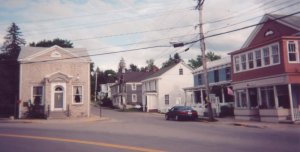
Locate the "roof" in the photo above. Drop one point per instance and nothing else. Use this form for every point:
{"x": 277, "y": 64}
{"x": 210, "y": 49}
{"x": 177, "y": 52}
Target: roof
{"x": 135, "y": 76}
{"x": 290, "y": 21}
{"x": 215, "y": 63}
{"x": 164, "y": 70}
{"x": 27, "y": 51}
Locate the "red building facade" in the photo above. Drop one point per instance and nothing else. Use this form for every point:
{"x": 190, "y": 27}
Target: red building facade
{"x": 266, "y": 71}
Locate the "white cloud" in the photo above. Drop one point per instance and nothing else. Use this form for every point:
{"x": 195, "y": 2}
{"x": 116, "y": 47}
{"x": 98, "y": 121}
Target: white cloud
{"x": 102, "y": 18}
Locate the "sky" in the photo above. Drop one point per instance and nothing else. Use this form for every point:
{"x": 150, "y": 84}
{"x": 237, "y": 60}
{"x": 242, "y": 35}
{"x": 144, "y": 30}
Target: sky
{"x": 103, "y": 26}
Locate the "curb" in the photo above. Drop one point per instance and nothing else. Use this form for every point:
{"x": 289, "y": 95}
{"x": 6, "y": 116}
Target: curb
{"x": 55, "y": 121}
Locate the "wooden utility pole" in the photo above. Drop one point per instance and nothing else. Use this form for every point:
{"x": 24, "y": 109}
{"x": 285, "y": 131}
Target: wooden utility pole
{"x": 204, "y": 61}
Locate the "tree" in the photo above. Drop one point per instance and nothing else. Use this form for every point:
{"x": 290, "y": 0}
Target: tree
{"x": 150, "y": 66}
{"x": 13, "y": 42}
{"x": 171, "y": 60}
{"x": 49, "y": 43}
{"x": 133, "y": 68}
{"x": 195, "y": 63}
{"x": 9, "y": 69}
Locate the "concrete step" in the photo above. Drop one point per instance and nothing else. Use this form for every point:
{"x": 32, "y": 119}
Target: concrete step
{"x": 57, "y": 115}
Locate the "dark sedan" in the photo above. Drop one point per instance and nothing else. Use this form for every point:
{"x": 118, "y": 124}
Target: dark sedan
{"x": 181, "y": 112}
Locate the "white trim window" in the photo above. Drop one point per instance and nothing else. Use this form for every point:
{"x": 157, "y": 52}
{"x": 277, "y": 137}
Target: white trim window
{"x": 237, "y": 63}
{"x": 134, "y": 97}
{"x": 244, "y": 61}
{"x": 257, "y": 58}
{"x": 250, "y": 60}
{"x": 77, "y": 94}
{"x": 38, "y": 95}
{"x": 267, "y": 97}
{"x": 133, "y": 86}
{"x": 241, "y": 98}
{"x": 266, "y": 54}
{"x": 275, "y": 53}
{"x": 167, "y": 99}
{"x": 292, "y": 52}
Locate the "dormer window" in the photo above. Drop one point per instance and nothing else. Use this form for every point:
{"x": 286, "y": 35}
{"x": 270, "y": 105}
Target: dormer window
{"x": 55, "y": 54}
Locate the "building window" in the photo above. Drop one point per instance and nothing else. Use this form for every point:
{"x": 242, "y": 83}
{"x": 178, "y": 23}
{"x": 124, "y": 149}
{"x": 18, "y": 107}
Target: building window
{"x": 167, "y": 99}
{"x": 267, "y": 97}
{"x": 200, "y": 79}
{"x": 243, "y": 61}
{"x": 292, "y": 51}
{"x": 266, "y": 54}
{"x": 37, "y": 95}
{"x": 258, "y": 58}
{"x": 275, "y": 54}
{"x": 241, "y": 98}
{"x": 133, "y": 86}
{"x": 180, "y": 71}
{"x": 216, "y": 75}
{"x": 228, "y": 73}
{"x": 77, "y": 94}
{"x": 134, "y": 98}
{"x": 237, "y": 63}
{"x": 250, "y": 60}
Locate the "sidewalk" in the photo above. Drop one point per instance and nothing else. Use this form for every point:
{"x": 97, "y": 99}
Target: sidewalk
{"x": 252, "y": 124}
{"x": 93, "y": 118}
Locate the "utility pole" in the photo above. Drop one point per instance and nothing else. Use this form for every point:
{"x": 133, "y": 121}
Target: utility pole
{"x": 204, "y": 61}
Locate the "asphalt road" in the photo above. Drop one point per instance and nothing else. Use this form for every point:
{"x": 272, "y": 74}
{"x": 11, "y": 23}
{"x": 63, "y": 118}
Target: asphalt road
{"x": 133, "y": 131}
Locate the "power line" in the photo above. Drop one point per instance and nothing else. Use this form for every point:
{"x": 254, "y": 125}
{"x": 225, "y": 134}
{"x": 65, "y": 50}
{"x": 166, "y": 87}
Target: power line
{"x": 125, "y": 34}
{"x": 291, "y": 5}
{"x": 99, "y": 54}
{"x": 246, "y": 27}
{"x": 70, "y": 17}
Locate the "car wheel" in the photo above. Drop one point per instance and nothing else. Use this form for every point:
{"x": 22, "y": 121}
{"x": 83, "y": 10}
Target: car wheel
{"x": 177, "y": 118}
{"x": 167, "y": 117}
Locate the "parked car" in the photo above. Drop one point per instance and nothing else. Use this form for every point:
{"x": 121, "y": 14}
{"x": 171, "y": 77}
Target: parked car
{"x": 181, "y": 112}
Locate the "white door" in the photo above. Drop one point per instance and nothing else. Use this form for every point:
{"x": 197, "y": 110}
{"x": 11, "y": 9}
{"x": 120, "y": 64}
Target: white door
{"x": 58, "y": 96}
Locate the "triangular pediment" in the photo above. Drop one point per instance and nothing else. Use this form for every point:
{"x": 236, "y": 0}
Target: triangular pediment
{"x": 55, "y": 53}
{"x": 269, "y": 31}
{"x": 58, "y": 77}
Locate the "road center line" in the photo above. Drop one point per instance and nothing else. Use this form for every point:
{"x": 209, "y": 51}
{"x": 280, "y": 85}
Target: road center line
{"x": 101, "y": 144}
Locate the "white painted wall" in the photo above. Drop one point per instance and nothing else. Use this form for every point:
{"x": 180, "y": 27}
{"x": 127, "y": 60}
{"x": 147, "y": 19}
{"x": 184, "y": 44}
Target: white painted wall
{"x": 171, "y": 83}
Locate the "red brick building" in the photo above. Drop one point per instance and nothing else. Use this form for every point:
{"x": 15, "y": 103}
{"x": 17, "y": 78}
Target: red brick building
{"x": 266, "y": 71}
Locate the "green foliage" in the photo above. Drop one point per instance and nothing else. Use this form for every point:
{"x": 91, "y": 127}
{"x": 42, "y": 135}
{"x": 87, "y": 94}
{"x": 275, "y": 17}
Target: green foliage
{"x": 49, "y": 43}
{"x": 172, "y": 61}
{"x": 13, "y": 42}
{"x": 150, "y": 66}
{"x": 134, "y": 68}
{"x": 9, "y": 67}
{"x": 195, "y": 63}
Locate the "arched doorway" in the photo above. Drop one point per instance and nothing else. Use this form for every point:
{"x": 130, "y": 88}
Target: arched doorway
{"x": 58, "y": 97}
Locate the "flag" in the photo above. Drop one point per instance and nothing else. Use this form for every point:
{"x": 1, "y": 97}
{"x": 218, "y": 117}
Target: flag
{"x": 229, "y": 91}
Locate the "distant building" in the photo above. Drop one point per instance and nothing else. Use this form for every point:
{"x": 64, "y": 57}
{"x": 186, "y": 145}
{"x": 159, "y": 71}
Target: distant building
{"x": 164, "y": 89}
{"x": 128, "y": 94}
{"x": 105, "y": 90}
{"x": 266, "y": 71}
{"x": 219, "y": 78}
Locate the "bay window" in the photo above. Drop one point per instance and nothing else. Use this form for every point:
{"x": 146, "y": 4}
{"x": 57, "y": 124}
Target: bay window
{"x": 266, "y": 54}
{"x": 258, "y": 58}
{"x": 292, "y": 51}
{"x": 250, "y": 60}
{"x": 275, "y": 53}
